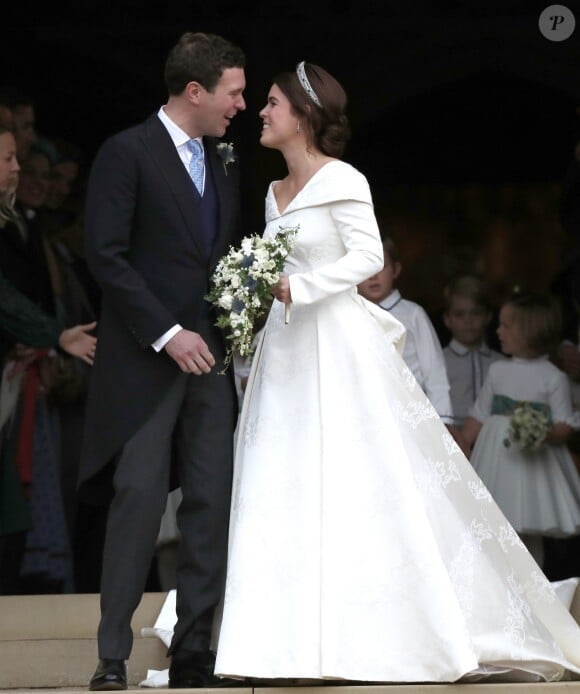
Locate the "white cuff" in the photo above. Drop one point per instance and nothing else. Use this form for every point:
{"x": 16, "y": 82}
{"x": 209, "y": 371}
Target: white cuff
{"x": 160, "y": 343}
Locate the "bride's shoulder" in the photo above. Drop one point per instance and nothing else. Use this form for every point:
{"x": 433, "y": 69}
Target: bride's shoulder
{"x": 344, "y": 180}
{"x": 342, "y": 169}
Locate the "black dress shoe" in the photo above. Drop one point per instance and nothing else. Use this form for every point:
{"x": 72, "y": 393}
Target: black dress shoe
{"x": 194, "y": 670}
{"x": 110, "y": 675}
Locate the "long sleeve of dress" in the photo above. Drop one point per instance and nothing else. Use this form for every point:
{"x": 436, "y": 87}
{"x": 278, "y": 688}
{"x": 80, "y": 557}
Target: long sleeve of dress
{"x": 338, "y": 233}
{"x": 358, "y": 229}
{"x": 560, "y": 400}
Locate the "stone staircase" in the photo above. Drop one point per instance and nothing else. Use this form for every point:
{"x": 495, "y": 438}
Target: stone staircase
{"x": 48, "y": 642}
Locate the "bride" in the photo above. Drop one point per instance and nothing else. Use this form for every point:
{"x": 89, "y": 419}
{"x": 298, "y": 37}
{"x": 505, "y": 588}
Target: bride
{"x": 362, "y": 546}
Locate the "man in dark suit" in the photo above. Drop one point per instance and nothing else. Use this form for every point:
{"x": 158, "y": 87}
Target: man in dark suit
{"x": 162, "y": 208}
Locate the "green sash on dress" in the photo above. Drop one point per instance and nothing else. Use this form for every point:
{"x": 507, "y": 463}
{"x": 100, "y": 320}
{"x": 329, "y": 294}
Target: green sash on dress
{"x": 502, "y": 404}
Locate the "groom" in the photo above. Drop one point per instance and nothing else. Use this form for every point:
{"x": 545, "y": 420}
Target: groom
{"x": 162, "y": 207}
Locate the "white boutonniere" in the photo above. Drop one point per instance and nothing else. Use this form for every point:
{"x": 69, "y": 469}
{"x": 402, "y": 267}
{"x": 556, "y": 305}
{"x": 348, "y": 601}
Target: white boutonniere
{"x": 226, "y": 153}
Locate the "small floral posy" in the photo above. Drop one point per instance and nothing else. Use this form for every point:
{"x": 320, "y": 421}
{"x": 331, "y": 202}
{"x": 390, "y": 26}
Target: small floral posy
{"x": 240, "y": 286}
{"x": 226, "y": 153}
{"x": 528, "y": 428}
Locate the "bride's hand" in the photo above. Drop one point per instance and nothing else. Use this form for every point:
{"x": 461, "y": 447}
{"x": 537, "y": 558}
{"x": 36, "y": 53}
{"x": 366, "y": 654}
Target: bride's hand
{"x": 281, "y": 290}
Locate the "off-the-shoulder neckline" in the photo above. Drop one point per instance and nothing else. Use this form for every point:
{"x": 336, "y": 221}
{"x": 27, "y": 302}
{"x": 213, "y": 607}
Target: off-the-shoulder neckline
{"x": 272, "y": 193}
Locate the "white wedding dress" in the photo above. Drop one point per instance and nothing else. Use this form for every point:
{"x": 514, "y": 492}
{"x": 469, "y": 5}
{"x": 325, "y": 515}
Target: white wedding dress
{"x": 363, "y": 545}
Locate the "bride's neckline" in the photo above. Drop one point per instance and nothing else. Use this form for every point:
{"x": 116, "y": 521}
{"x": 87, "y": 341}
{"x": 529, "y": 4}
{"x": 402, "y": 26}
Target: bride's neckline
{"x": 308, "y": 182}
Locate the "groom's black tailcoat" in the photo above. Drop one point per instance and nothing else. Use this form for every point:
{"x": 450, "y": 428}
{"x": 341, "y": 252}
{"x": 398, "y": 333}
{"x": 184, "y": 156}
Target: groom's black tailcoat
{"x": 145, "y": 247}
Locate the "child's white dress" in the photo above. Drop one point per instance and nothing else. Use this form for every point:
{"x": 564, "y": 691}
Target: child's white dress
{"x": 539, "y": 491}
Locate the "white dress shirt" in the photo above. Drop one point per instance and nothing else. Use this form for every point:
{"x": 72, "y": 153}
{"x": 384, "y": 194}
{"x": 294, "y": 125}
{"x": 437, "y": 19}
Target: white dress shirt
{"x": 180, "y": 140}
{"x": 423, "y": 353}
{"x": 466, "y": 371}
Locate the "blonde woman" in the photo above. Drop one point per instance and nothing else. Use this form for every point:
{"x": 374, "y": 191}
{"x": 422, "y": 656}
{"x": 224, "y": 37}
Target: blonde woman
{"x": 24, "y": 330}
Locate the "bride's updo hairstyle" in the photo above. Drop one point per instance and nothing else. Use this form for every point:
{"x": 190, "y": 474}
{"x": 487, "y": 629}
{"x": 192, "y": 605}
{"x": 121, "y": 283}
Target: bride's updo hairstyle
{"x": 319, "y": 101}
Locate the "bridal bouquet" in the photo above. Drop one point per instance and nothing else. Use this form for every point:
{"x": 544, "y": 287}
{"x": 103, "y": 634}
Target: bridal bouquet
{"x": 239, "y": 286}
{"x": 528, "y": 428}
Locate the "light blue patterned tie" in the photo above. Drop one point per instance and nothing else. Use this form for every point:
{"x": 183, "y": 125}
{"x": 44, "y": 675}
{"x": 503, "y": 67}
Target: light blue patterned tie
{"x": 196, "y": 164}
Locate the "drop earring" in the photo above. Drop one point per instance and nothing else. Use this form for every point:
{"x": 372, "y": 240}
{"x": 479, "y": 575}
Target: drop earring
{"x": 298, "y": 128}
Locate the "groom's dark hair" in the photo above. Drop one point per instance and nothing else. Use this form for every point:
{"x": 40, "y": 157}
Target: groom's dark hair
{"x": 199, "y": 57}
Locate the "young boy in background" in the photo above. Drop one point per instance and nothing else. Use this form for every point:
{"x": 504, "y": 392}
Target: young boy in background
{"x": 467, "y": 356}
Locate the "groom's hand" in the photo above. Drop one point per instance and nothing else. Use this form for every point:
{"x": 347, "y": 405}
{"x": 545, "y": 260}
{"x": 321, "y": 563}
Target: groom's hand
{"x": 190, "y": 352}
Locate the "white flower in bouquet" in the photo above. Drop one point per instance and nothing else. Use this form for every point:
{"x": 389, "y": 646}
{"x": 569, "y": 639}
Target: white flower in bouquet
{"x": 226, "y": 300}
{"x": 240, "y": 285}
{"x": 528, "y": 428}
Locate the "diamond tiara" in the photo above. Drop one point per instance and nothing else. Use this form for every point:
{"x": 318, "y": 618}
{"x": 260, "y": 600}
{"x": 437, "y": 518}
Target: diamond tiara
{"x": 306, "y": 84}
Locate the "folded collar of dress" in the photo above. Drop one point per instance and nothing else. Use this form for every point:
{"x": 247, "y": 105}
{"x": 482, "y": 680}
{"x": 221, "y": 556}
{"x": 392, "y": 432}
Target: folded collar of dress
{"x": 335, "y": 181}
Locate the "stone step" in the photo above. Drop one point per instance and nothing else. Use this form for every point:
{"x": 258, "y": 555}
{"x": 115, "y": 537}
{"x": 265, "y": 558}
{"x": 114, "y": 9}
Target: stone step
{"x": 496, "y": 688}
{"x": 48, "y": 643}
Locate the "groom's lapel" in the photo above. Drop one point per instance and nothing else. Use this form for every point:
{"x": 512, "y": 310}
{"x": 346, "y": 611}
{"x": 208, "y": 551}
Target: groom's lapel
{"x": 162, "y": 150}
{"x": 224, "y": 188}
